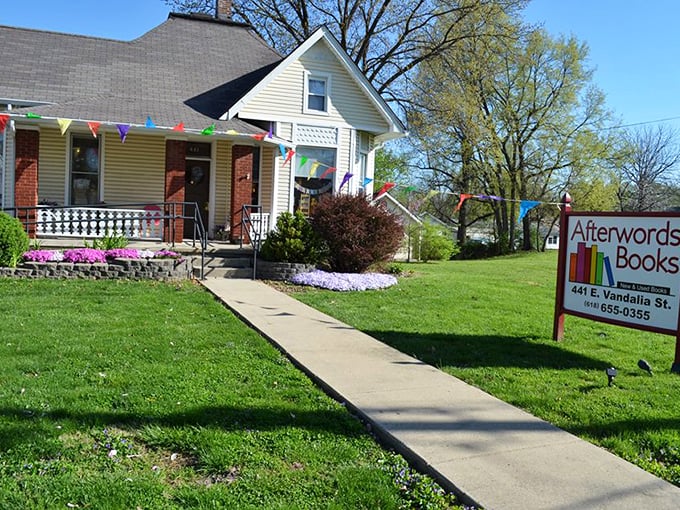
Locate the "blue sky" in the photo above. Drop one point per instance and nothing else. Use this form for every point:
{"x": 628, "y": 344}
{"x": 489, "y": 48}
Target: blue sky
{"x": 634, "y": 45}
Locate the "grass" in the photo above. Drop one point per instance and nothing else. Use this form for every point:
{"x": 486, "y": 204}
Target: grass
{"x": 119, "y": 394}
{"x": 490, "y": 323}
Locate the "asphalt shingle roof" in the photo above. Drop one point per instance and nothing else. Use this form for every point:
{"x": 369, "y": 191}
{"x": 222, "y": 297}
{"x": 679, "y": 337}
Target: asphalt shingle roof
{"x": 189, "y": 69}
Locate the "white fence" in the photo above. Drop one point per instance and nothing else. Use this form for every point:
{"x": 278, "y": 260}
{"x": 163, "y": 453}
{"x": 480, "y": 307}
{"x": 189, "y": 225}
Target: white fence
{"x": 259, "y": 222}
{"x": 94, "y": 222}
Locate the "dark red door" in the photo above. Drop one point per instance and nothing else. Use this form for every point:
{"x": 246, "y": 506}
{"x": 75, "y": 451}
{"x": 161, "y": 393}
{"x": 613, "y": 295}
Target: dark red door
{"x": 197, "y": 179}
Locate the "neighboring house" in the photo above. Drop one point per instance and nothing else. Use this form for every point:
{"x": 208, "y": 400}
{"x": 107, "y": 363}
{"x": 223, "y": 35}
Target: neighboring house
{"x": 212, "y": 114}
{"x": 411, "y": 223}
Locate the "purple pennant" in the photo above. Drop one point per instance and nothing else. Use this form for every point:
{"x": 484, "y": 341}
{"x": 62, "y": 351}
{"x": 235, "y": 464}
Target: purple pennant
{"x": 123, "y": 131}
{"x": 489, "y": 197}
{"x": 345, "y": 179}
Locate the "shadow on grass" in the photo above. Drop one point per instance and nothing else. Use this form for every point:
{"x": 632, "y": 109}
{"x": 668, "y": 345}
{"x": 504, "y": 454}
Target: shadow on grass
{"x": 468, "y": 351}
{"x": 30, "y": 424}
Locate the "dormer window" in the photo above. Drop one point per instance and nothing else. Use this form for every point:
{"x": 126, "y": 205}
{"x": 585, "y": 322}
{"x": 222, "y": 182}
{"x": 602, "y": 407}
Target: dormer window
{"x": 316, "y": 93}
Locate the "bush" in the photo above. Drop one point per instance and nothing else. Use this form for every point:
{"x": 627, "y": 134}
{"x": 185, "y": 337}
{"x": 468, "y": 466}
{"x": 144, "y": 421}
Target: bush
{"x": 110, "y": 241}
{"x": 357, "y": 233}
{"x": 292, "y": 240}
{"x": 436, "y": 243}
{"x": 13, "y": 240}
{"x": 478, "y": 250}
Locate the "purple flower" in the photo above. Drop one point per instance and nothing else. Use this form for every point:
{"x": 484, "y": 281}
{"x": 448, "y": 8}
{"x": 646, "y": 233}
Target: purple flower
{"x": 122, "y": 253}
{"x": 166, "y": 254}
{"x": 344, "y": 281}
{"x": 43, "y": 256}
{"x": 88, "y": 255}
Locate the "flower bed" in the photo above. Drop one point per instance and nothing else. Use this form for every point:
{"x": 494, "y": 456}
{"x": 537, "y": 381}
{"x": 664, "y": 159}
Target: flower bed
{"x": 344, "y": 281}
{"x": 96, "y": 264}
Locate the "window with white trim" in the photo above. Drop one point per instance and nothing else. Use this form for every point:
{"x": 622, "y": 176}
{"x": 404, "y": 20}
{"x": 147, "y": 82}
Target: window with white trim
{"x": 310, "y": 186}
{"x": 363, "y": 148}
{"x": 316, "y": 93}
{"x": 84, "y": 179}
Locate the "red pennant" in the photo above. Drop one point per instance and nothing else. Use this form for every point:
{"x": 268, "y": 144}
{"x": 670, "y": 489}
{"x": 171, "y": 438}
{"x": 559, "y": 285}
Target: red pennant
{"x": 94, "y": 128}
{"x": 179, "y": 127}
{"x": 259, "y": 137}
{"x": 4, "y": 119}
{"x": 289, "y": 156}
{"x": 327, "y": 172}
{"x": 463, "y": 198}
{"x": 386, "y": 187}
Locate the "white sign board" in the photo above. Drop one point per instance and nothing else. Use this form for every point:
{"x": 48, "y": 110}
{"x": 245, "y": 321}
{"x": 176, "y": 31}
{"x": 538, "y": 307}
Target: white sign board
{"x": 624, "y": 269}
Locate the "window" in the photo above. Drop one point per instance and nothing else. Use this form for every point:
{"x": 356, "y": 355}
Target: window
{"x": 316, "y": 92}
{"x": 85, "y": 171}
{"x": 309, "y": 189}
{"x": 363, "y": 148}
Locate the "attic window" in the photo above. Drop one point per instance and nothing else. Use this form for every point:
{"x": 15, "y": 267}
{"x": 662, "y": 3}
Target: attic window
{"x": 316, "y": 93}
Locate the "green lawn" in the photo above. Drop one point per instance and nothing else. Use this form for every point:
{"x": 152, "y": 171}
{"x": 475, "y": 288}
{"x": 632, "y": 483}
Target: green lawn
{"x": 144, "y": 395}
{"x": 490, "y": 323}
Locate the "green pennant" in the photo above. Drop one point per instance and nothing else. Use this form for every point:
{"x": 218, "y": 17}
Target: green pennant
{"x": 31, "y": 115}
{"x": 209, "y": 130}
{"x": 410, "y": 188}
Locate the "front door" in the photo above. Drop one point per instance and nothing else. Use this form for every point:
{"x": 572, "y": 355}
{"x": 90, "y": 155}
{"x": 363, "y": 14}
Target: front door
{"x": 197, "y": 180}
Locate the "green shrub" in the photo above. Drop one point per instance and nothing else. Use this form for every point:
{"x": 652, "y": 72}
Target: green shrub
{"x": 13, "y": 240}
{"x": 292, "y": 240}
{"x": 478, "y": 250}
{"x": 110, "y": 241}
{"x": 436, "y": 243}
{"x": 357, "y": 233}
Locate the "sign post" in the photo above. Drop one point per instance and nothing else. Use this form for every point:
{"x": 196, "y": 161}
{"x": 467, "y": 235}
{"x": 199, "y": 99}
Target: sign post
{"x": 620, "y": 268}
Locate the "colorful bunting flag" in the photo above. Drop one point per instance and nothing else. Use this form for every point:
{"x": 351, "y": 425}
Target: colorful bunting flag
{"x": 123, "y": 131}
{"x": 312, "y": 169}
{"x": 232, "y": 132}
{"x": 386, "y": 187}
{"x": 209, "y": 130}
{"x": 327, "y": 172}
{"x": 303, "y": 161}
{"x": 410, "y": 189}
{"x": 259, "y": 136}
{"x": 367, "y": 181}
{"x": 463, "y": 198}
{"x": 149, "y": 123}
{"x": 63, "y": 125}
{"x": 289, "y": 156}
{"x": 179, "y": 127}
{"x": 282, "y": 149}
{"x": 4, "y": 119}
{"x": 345, "y": 179}
{"x": 270, "y": 134}
{"x": 489, "y": 197}
{"x": 31, "y": 115}
{"x": 524, "y": 207}
{"x": 94, "y": 127}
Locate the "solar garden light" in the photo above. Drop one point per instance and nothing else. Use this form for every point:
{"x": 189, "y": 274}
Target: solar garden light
{"x": 611, "y": 373}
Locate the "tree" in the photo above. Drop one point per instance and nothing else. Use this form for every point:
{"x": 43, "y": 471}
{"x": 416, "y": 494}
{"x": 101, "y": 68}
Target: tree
{"x": 646, "y": 167}
{"x": 386, "y": 39}
{"x": 510, "y": 118}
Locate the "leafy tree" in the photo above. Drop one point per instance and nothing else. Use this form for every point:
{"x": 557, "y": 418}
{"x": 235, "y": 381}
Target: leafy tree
{"x": 646, "y": 168}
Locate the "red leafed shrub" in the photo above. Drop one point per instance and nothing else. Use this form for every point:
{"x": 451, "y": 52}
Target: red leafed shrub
{"x": 357, "y": 233}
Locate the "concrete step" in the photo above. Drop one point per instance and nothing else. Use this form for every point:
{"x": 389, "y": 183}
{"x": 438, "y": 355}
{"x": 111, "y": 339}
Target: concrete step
{"x": 212, "y": 261}
{"x": 224, "y": 272}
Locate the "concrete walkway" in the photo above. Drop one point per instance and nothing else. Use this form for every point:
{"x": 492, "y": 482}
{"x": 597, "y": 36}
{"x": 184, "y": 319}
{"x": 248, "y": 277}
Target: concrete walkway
{"x": 493, "y": 454}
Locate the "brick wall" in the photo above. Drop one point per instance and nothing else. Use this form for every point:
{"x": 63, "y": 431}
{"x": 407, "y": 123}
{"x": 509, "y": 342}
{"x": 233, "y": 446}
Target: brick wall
{"x": 175, "y": 166}
{"x": 241, "y": 185}
{"x": 27, "y": 151}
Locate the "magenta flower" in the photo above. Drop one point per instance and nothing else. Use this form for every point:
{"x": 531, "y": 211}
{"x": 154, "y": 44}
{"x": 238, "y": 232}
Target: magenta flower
{"x": 344, "y": 281}
{"x": 87, "y": 255}
{"x": 43, "y": 256}
{"x": 122, "y": 253}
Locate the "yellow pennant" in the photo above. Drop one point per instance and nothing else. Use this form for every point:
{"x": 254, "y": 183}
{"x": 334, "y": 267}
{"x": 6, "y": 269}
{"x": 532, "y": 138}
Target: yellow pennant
{"x": 312, "y": 170}
{"x": 63, "y": 125}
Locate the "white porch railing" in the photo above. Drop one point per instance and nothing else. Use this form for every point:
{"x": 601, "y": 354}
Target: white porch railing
{"x": 99, "y": 222}
{"x": 259, "y": 222}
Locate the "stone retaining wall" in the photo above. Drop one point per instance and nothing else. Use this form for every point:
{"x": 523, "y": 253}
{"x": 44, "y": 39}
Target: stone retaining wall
{"x": 281, "y": 270}
{"x": 132, "y": 269}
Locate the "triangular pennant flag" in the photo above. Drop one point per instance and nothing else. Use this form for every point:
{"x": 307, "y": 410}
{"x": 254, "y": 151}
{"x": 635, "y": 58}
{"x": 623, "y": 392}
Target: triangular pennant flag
{"x": 63, "y": 125}
{"x": 31, "y": 115}
{"x": 4, "y": 119}
{"x": 209, "y": 130}
{"x": 232, "y": 132}
{"x": 345, "y": 179}
{"x": 282, "y": 149}
{"x": 94, "y": 127}
{"x": 386, "y": 187}
{"x": 289, "y": 156}
{"x": 328, "y": 171}
{"x": 524, "y": 207}
{"x": 123, "y": 131}
{"x": 303, "y": 161}
{"x": 489, "y": 197}
{"x": 430, "y": 194}
{"x": 270, "y": 134}
{"x": 463, "y": 198}
{"x": 259, "y": 136}
{"x": 367, "y": 181}
{"x": 312, "y": 169}
{"x": 150, "y": 123}
{"x": 409, "y": 189}
{"x": 179, "y": 127}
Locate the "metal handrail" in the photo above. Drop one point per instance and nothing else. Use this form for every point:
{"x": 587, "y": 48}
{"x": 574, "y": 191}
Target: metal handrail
{"x": 255, "y": 233}
{"x": 168, "y": 211}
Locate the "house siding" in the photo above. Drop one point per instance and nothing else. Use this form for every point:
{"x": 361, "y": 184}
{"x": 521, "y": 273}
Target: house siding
{"x": 266, "y": 178}
{"x": 53, "y": 166}
{"x": 284, "y": 95}
{"x": 222, "y": 183}
{"x": 134, "y": 171}
{"x": 283, "y": 193}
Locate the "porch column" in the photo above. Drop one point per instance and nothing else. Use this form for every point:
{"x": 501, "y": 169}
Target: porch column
{"x": 175, "y": 166}
{"x": 27, "y": 152}
{"x": 241, "y": 186}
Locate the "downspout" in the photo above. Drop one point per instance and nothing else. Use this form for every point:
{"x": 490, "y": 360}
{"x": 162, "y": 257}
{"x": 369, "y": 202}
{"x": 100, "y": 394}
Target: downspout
{"x": 4, "y": 161}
